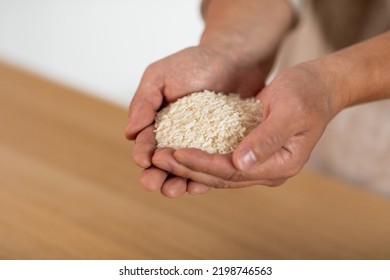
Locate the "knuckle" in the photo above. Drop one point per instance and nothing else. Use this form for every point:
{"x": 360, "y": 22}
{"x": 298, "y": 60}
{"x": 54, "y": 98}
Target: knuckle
{"x": 141, "y": 158}
{"x": 141, "y": 161}
{"x": 276, "y": 183}
{"x": 271, "y": 142}
{"x": 160, "y": 161}
{"x": 150, "y": 69}
{"x": 237, "y": 176}
{"x": 218, "y": 183}
{"x": 293, "y": 170}
{"x": 182, "y": 172}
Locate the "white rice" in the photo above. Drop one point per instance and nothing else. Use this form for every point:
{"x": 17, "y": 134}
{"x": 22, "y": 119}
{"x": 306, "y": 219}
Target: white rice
{"x": 212, "y": 122}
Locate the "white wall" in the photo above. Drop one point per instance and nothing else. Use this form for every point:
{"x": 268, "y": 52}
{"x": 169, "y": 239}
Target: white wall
{"x": 99, "y": 46}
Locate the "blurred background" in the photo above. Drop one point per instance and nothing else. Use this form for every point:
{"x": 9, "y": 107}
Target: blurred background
{"x": 99, "y": 46}
{"x": 102, "y": 48}
{"x": 70, "y": 190}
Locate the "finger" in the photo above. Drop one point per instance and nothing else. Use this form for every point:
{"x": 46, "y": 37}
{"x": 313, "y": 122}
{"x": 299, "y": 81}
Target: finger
{"x": 265, "y": 140}
{"x": 221, "y": 166}
{"x": 145, "y": 144}
{"x": 196, "y": 188}
{"x": 146, "y": 102}
{"x": 174, "y": 186}
{"x": 153, "y": 178}
{"x": 163, "y": 159}
{"x": 197, "y": 169}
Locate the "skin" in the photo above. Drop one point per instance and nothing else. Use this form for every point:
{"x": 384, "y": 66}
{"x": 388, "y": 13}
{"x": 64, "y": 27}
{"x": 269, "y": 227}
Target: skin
{"x": 235, "y": 55}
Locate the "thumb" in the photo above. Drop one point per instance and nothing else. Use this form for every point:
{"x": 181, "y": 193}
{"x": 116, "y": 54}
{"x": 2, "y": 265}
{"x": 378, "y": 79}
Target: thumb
{"x": 262, "y": 142}
{"x": 142, "y": 110}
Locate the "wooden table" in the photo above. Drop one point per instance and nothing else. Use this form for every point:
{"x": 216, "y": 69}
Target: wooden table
{"x": 69, "y": 190}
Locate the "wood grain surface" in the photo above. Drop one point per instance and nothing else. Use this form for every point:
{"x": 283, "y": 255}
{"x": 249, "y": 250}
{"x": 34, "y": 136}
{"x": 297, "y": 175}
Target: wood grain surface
{"x": 69, "y": 190}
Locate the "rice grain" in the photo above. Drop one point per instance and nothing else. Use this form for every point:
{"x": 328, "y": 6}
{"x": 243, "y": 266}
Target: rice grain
{"x": 212, "y": 122}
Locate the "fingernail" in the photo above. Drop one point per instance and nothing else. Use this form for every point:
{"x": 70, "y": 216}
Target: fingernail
{"x": 246, "y": 160}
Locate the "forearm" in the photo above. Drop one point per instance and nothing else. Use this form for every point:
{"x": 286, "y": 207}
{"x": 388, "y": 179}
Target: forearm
{"x": 249, "y": 30}
{"x": 360, "y": 73}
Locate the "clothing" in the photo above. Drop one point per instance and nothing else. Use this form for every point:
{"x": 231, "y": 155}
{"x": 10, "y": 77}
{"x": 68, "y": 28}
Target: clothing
{"x": 356, "y": 144}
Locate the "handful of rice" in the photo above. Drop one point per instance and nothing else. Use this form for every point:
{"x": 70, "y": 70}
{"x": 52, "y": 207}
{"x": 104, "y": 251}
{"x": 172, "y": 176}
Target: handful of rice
{"x": 212, "y": 122}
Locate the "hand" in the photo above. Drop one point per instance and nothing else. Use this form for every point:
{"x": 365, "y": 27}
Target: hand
{"x": 298, "y": 105}
{"x": 188, "y": 71}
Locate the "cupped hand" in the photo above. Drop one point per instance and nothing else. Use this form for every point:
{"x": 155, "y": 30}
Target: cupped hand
{"x": 190, "y": 70}
{"x": 298, "y": 105}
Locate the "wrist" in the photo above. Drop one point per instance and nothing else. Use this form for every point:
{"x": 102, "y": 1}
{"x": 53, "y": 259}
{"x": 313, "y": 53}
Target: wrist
{"x": 359, "y": 73}
{"x": 249, "y": 31}
{"x": 322, "y": 80}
